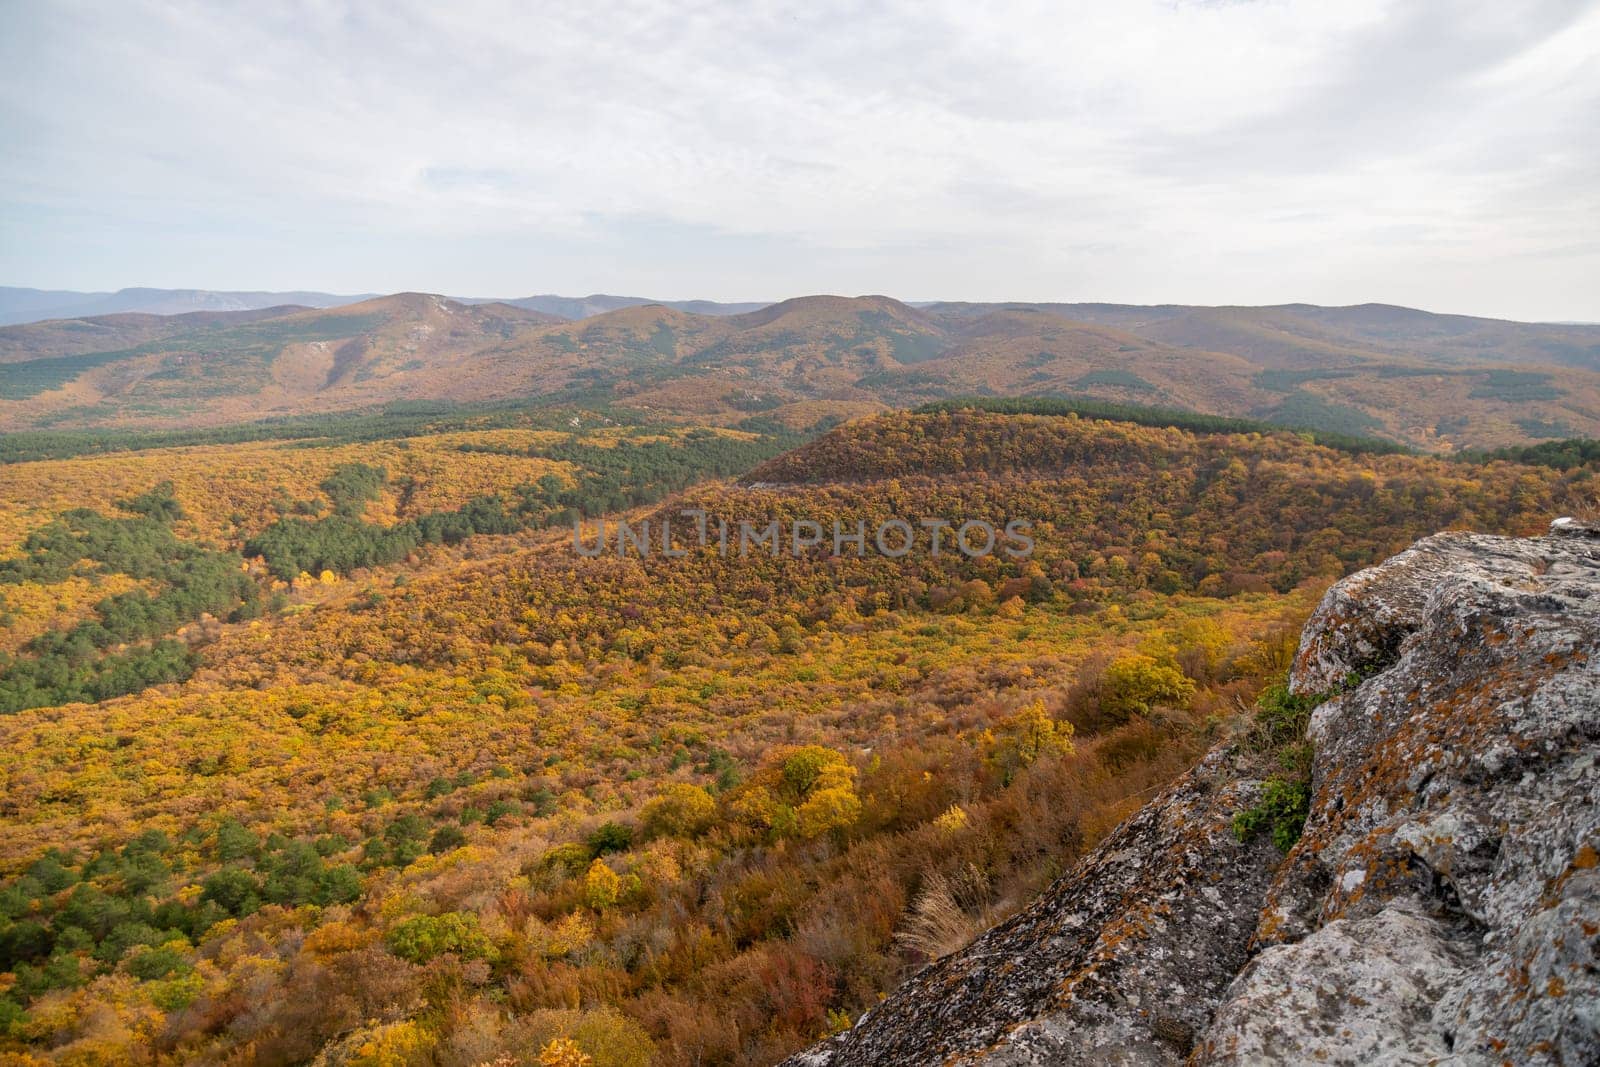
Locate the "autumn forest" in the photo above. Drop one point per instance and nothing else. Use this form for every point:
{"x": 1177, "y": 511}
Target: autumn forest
{"x": 321, "y": 743}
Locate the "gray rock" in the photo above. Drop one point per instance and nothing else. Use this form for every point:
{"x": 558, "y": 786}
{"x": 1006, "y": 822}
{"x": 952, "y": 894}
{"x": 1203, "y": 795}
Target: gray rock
{"x": 1460, "y": 782}
{"x": 1441, "y": 906}
{"x": 1358, "y": 627}
{"x": 1357, "y": 991}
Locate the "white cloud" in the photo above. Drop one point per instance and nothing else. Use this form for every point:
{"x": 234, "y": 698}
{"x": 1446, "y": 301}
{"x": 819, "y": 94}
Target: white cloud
{"x": 1444, "y": 155}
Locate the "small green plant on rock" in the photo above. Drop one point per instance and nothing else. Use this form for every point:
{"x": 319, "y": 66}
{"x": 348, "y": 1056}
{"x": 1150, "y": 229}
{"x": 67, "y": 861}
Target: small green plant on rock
{"x": 1279, "y": 733}
{"x": 1282, "y": 811}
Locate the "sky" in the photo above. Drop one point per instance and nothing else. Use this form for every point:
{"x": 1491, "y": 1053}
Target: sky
{"x": 1430, "y": 153}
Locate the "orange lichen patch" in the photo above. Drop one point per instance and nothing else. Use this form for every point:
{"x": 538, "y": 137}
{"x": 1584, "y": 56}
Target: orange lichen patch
{"x": 1584, "y": 859}
{"x": 1269, "y": 929}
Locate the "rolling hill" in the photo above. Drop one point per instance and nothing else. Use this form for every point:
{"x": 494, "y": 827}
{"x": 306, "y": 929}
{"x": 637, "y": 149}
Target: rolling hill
{"x": 52, "y": 338}
{"x": 1438, "y": 383}
{"x": 238, "y": 369}
{"x": 1306, "y": 333}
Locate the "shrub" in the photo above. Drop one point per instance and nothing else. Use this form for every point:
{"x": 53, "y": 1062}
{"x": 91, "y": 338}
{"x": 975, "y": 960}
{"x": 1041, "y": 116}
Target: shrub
{"x": 827, "y": 809}
{"x": 953, "y": 820}
{"x": 570, "y": 858}
{"x": 601, "y": 1037}
{"x": 610, "y": 837}
{"x": 1022, "y": 739}
{"x": 1135, "y": 683}
{"x": 819, "y": 785}
{"x": 422, "y": 937}
{"x": 563, "y": 1052}
{"x": 499, "y": 810}
{"x": 798, "y": 792}
{"x": 1282, "y": 811}
{"x": 446, "y": 838}
{"x": 155, "y": 963}
{"x": 233, "y": 889}
{"x": 679, "y": 810}
{"x": 1279, "y": 732}
{"x": 394, "y": 1045}
{"x": 814, "y": 767}
{"x": 601, "y": 886}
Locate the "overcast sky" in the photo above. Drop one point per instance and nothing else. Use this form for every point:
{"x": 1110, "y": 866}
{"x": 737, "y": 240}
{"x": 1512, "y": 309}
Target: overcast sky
{"x": 1441, "y": 155}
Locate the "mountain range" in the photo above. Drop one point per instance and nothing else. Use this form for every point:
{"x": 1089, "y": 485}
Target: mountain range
{"x": 1434, "y": 382}
{"x": 19, "y": 306}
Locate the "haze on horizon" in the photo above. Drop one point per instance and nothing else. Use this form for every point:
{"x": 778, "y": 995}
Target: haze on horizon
{"x": 1443, "y": 156}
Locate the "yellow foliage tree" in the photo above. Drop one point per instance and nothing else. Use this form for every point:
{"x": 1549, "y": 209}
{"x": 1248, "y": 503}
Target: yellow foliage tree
{"x": 393, "y": 1045}
{"x": 799, "y": 792}
{"x": 952, "y": 820}
{"x": 679, "y": 810}
{"x": 1135, "y": 683}
{"x": 601, "y": 886}
{"x": 1022, "y": 739}
{"x": 827, "y": 809}
{"x": 563, "y": 1052}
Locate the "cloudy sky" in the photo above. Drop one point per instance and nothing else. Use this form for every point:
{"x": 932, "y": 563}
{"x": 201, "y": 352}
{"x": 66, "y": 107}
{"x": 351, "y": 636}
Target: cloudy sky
{"x": 1442, "y": 155}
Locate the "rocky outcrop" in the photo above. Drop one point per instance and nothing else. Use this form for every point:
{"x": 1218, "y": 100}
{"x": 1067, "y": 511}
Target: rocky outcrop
{"x": 1441, "y": 905}
{"x": 1115, "y": 964}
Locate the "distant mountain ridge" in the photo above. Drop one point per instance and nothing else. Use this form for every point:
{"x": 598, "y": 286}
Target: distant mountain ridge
{"x": 1435, "y": 382}
{"x": 51, "y": 338}
{"x": 1291, "y": 332}
{"x": 583, "y": 307}
{"x": 36, "y": 305}
{"x": 19, "y": 306}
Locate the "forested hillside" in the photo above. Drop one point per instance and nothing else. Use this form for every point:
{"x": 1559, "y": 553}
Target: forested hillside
{"x": 1434, "y": 382}
{"x": 98, "y": 603}
{"x": 470, "y": 797}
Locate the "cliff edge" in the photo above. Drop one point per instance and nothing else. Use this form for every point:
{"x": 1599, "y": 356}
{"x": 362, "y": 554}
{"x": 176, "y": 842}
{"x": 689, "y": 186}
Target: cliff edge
{"x": 1442, "y": 903}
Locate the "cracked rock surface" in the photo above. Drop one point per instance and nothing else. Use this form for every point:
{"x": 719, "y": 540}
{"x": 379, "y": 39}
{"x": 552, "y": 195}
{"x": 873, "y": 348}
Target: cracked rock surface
{"x": 1441, "y": 906}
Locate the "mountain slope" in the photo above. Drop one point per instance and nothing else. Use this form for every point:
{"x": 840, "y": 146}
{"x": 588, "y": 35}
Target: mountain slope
{"x": 18, "y": 305}
{"x": 1406, "y": 376}
{"x": 71, "y": 337}
{"x": 208, "y": 372}
{"x": 1303, "y": 333}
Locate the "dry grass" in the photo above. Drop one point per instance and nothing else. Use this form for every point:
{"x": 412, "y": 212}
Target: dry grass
{"x": 948, "y": 913}
{"x": 1585, "y": 505}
